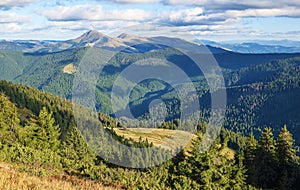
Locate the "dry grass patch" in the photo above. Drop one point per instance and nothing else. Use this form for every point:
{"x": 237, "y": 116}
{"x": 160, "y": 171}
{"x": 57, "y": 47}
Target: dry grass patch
{"x": 70, "y": 69}
{"x": 164, "y": 138}
{"x": 13, "y": 180}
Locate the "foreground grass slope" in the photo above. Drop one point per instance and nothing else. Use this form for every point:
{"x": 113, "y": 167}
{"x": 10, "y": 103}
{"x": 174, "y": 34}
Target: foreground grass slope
{"x": 11, "y": 178}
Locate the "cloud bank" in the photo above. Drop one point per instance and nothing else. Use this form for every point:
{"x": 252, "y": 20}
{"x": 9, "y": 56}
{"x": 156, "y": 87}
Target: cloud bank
{"x": 8, "y": 4}
{"x": 202, "y": 17}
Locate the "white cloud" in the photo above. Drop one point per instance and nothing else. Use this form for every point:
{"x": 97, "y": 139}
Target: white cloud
{"x": 188, "y": 15}
{"x": 288, "y": 12}
{"x": 83, "y": 26}
{"x": 134, "y": 1}
{"x": 247, "y": 8}
{"x": 95, "y": 12}
{"x": 192, "y": 16}
{"x": 7, "y": 4}
{"x": 8, "y": 17}
{"x": 235, "y": 4}
{"x": 201, "y": 16}
{"x": 11, "y": 27}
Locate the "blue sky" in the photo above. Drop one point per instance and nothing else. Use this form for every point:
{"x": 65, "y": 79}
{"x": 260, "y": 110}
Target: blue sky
{"x": 219, "y": 20}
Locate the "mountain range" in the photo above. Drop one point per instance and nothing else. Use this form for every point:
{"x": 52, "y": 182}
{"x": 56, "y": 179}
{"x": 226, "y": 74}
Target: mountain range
{"x": 124, "y": 42}
{"x": 262, "y": 89}
{"x": 257, "y": 46}
{"x": 128, "y": 42}
{"x": 41, "y": 135}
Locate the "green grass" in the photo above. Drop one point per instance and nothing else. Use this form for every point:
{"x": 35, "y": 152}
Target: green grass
{"x": 167, "y": 139}
{"x": 164, "y": 138}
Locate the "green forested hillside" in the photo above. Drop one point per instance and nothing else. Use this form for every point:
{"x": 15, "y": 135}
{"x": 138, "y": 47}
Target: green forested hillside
{"x": 262, "y": 89}
{"x": 265, "y": 95}
{"x": 12, "y": 64}
{"x": 39, "y": 136}
{"x": 45, "y": 141}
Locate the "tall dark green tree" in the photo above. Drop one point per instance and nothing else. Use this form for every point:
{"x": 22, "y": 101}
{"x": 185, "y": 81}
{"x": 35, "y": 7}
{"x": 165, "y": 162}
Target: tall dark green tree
{"x": 266, "y": 161}
{"x": 287, "y": 158}
{"x": 285, "y": 148}
{"x": 42, "y": 133}
{"x": 249, "y": 159}
{"x": 211, "y": 169}
{"x": 75, "y": 153}
{"x": 9, "y": 120}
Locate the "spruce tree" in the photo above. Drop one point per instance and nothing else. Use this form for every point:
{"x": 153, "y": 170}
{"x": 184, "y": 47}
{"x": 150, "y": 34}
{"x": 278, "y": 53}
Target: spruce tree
{"x": 284, "y": 147}
{"x": 42, "y": 133}
{"x": 287, "y": 158}
{"x": 52, "y": 132}
{"x": 238, "y": 173}
{"x": 266, "y": 161}
{"x": 75, "y": 153}
{"x": 9, "y": 120}
{"x": 249, "y": 160}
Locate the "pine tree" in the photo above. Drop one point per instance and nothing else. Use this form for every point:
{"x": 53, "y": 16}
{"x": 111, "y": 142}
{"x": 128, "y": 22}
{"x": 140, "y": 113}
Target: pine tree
{"x": 285, "y": 151}
{"x": 266, "y": 161}
{"x": 75, "y": 153}
{"x": 9, "y": 120}
{"x": 238, "y": 173}
{"x": 51, "y": 131}
{"x": 249, "y": 159}
{"x": 42, "y": 133}
{"x": 287, "y": 158}
{"x": 211, "y": 169}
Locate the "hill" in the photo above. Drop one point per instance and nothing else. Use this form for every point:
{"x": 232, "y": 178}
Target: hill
{"x": 255, "y": 83}
{"x": 13, "y": 179}
{"x": 47, "y": 143}
{"x": 39, "y": 137}
{"x": 243, "y": 74}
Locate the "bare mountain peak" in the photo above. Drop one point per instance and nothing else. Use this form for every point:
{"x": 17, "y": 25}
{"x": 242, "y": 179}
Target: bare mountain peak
{"x": 94, "y": 32}
{"x": 90, "y": 37}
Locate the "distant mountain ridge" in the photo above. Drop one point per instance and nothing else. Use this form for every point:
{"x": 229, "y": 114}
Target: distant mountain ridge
{"x": 94, "y": 38}
{"x": 131, "y": 43}
{"x": 257, "y": 46}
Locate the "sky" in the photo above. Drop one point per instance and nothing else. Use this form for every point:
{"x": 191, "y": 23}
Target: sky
{"x": 217, "y": 20}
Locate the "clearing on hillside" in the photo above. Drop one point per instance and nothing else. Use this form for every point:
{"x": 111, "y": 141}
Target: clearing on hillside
{"x": 70, "y": 69}
{"x": 164, "y": 138}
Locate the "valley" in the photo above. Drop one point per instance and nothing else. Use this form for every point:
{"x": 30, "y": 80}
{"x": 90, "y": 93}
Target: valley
{"x": 253, "y": 81}
{"x": 41, "y": 134}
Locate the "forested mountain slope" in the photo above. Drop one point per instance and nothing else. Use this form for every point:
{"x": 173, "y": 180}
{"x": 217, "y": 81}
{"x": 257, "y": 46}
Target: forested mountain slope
{"x": 262, "y": 89}
{"x": 31, "y": 137}
{"x": 39, "y": 136}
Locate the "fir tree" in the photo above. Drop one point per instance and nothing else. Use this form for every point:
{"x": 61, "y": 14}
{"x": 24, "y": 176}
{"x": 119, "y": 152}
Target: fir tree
{"x": 9, "y": 121}
{"x": 287, "y": 158}
{"x": 285, "y": 151}
{"x": 266, "y": 161}
{"x": 249, "y": 159}
{"x": 42, "y": 133}
{"x": 75, "y": 153}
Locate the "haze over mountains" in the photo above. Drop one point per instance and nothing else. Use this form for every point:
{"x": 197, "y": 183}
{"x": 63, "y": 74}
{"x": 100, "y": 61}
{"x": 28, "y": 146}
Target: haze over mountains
{"x": 124, "y": 42}
{"x": 258, "y": 46}
{"x": 128, "y": 42}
